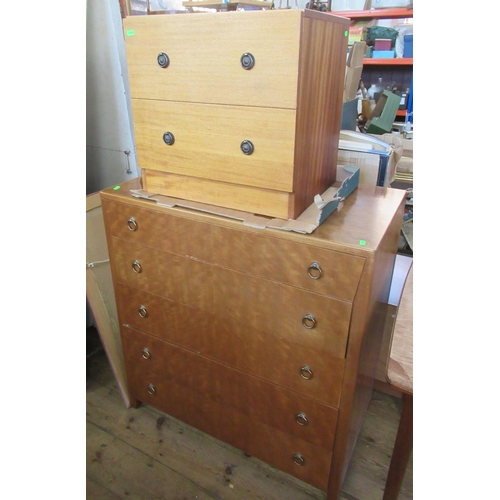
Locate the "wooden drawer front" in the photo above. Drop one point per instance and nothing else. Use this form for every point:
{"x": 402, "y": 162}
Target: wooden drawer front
{"x": 234, "y": 343}
{"x": 288, "y": 262}
{"x": 207, "y": 142}
{"x": 281, "y": 310}
{"x": 262, "y": 305}
{"x": 211, "y": 71}
{"x": 260, "y": 400}
{"x": 163, "y": 231}
{"x": 248, "y": 252}
{"x": 186, "y": 281}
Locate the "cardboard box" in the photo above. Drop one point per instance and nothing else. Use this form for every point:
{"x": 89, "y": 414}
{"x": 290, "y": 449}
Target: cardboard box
{"x": 354, "y": 68}
{"x": 376, "y": 159}
{"x": 357, "y": 30}
{"x": 383, "y": 44}
{"x": 349, "y": 115}
{"x": 383, "y": 114}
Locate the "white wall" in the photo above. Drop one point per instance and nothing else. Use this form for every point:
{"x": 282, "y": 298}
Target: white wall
{"x": 109, "y": 122}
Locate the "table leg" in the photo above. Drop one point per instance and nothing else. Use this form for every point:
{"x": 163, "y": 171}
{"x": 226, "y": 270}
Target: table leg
{"x": 402, "y": 450}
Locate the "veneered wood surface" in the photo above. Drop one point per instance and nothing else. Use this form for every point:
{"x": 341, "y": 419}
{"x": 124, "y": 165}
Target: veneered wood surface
{"x": 268, "y": 202}
{"x": 319, "y": 109}
{"x": 259, "y": 304}
{"x": 375, "y": 213}
{"x": 258, "y": 253}
{"x": 357, "y": 229}
{"x": 208, "y": 142}
{"x": 205, "y": 53}
{"x": 255, "y": 416}
{"x": 400, "y": 364}
{"x": 227, "y": 340}
{"x": 133, "y": 451}
{"x": 365, "y": 338}
{"x": 300, "y": 66}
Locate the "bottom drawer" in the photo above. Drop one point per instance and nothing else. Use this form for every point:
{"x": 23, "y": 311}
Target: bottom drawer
{"x": 250, "y": 428}
{"x": 235, "y": 196}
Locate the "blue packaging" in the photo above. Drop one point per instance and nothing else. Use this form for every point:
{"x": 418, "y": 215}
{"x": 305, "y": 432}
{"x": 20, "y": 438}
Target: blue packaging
{"x": 408, "y": 46}
{"x": 383, "y": 54}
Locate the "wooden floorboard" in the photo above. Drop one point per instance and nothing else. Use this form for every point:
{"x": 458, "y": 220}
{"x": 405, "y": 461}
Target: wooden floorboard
{"x": 144, "y": 454}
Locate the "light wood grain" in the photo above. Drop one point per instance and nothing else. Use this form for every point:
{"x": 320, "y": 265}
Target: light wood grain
{"x": 208, "y": 139}
{"x": 266, "y": 355}
{"x": 400, "y": 363}
{"x": 259, "y": 254}
{"x": 289, "y": 105}
{"x": 246, "y": 198}
{"x": 205, "y": 53}
{"x": 274, "y": 308}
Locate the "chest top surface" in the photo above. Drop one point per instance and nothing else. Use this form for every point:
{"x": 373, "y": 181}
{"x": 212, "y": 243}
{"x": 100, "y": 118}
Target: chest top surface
{"x": 358, "y": 228}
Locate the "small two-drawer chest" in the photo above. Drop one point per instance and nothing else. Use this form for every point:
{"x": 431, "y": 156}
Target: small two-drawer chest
{"x": 265, "y": 339}
{"x": 238, "y": 109}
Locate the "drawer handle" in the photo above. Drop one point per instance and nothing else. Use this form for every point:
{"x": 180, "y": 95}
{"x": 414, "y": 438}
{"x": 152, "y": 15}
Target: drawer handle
{"x": 163, "y": 60}
{"x": 136, "y": 267}
{"x": 306, "y": 373}
{"x": 145, "y": 353}
{"x": 132, "y": 224}
{"x": 308, "y": 321}
{"x": 168, "y": 138}
{"x": 314, "y": 271}
{"x": 143, "y": 312}
{"x": 247, "y": 147}
{"x": 247, "y": 60}
{"x": 301, "y": 418}
{"x": 298, "y": 459}
{"x": 151, "y": 389}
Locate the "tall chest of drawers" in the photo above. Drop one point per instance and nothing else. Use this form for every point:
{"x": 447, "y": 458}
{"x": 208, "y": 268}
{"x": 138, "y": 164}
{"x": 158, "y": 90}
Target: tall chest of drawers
{"x": 238, "y": 109}
{"x": 264, "y": 339}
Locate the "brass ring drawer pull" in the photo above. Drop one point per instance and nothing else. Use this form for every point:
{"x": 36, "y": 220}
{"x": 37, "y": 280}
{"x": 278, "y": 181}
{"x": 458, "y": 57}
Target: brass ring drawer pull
{"x": 151, "y": 389}
{"x": 132, "y": 224}
{"x": 301, "y": 418}
{"x": 314, "y": 271}
{"x": 143, "y": 312}
{"x": 306, "y": 373}
{"x": 298, "y": 459}
{"x": 136, "y": 267}
{"x": 308, "y": 321}
{"x": 145, "y": 353}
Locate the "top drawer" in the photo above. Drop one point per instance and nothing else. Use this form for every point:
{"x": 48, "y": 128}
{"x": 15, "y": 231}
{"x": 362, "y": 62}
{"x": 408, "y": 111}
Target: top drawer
{"x": 203, "y": 57}
{"x": 319, "y": 270}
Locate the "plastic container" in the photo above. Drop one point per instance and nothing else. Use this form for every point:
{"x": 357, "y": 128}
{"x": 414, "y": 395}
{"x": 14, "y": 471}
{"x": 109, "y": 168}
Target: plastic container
{"x": 408, "y": 48}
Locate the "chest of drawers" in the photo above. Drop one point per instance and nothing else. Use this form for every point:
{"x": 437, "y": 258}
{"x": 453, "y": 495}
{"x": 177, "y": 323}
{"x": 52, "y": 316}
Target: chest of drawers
{"x": 238, "y": 109}
{"x": 265, "y": 339}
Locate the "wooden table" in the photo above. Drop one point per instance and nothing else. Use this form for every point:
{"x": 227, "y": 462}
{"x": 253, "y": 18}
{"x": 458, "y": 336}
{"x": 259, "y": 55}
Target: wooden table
{"x": 400, "y": 376}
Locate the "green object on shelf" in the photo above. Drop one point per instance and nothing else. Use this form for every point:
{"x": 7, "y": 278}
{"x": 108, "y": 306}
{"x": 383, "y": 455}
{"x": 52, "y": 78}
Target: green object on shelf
{"x": 383, "y": 114}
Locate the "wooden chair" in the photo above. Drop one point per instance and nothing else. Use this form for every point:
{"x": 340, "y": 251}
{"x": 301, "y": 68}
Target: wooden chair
{"x": 400, "y": 376}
